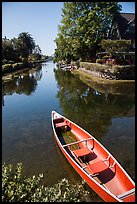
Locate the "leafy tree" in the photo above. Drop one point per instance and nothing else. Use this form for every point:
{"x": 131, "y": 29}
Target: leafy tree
{"x": 64, "y": 49}
{"x": 8, "y": 51}
{"x": 83, "y": 26}
{"x": 25, "y": 44}
{"x": 20, "y": 49}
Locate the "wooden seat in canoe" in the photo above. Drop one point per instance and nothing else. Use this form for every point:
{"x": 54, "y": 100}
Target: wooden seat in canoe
{"x": 82, "y": 152}
{"x": 97, "y": 167}
{"x": 62, "y": 124}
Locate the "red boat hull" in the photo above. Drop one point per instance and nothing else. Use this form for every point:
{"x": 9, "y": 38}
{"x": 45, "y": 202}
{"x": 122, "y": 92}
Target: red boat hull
{"x": 106, "y": 195}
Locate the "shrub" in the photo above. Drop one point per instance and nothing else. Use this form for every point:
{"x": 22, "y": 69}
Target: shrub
{"x": 124, "y": 68}
{"x": 10, "y": 62}
{"x": 106, "y": 57}
{"x": 101, "y": 61}
{"x": 93, "y": 66}
{"x": 4, "y": 61}
{"x": 16, "y": 188}
{"x": 18, "y": 65}
{"x": 112, "y": 46}
{"x": 77, "y": 63}
{"x": 6, "y": 67}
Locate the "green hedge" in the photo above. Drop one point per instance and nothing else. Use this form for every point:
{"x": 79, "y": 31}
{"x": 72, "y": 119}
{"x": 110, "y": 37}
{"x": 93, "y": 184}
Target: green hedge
{"x": 106, "y": 57}
{"x": 6, "y": 67}
{"x": 76, "y": 63}
{"x": 101, "y": 61}
{"x": 93, "y": 66}
{"x": 18, "y": 65}
{"x": 112, "y": 46}
{"x": 118, "y": 68}
{"x": 12, "y": 67}
{"x": 120, "y": 71}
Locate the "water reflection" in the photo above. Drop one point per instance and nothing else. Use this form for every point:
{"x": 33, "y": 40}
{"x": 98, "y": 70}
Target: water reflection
{"x": 24, "y": 82}
{"x": 89, "y": 107}
{"x": 114, "y": 88}
{"x": 108, "y": 117}
{"x": 27, "y": 135}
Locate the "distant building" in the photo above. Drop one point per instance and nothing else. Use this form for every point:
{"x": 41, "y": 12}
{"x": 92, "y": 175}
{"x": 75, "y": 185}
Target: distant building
{"x": 123, "y": 27}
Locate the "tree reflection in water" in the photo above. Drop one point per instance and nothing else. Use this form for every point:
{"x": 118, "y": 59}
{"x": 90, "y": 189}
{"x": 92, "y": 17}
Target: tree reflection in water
{"x": 22, "y": 83}
{"x": 88, "y": 107}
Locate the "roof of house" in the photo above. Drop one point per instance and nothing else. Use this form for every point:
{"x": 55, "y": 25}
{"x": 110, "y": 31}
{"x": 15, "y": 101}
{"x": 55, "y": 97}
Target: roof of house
{"x": 128, "y": 16}
{"x": 124, "y": 20}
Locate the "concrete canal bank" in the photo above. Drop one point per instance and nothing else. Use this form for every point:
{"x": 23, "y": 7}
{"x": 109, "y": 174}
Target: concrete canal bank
{"x": 104, "y": 85}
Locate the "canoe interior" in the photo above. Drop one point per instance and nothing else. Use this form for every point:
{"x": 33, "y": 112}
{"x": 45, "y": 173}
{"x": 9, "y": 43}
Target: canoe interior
{"x": 113, "y": 179}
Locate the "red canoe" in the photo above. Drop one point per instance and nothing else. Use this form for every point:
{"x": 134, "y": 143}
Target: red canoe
{"x": 92, "y": 161}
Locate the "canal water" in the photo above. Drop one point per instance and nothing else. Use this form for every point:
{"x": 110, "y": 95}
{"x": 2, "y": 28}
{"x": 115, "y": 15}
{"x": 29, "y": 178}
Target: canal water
{"x": 28, "y": 97}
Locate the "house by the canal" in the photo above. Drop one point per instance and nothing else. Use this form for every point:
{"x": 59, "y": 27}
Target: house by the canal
{"x": 123, "y": 27}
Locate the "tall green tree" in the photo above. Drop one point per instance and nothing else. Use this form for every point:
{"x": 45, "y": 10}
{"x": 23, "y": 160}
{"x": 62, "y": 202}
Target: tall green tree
{"x": 8, "y": 52}
{"x": 64, "y": 49}
{"x": 83, "y": 26}
{"x": 20, "y": 48}
{"x": 25, "y": 44}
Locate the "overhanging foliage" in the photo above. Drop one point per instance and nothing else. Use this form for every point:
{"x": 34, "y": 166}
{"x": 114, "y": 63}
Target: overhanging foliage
{"x": 83, "y": 26}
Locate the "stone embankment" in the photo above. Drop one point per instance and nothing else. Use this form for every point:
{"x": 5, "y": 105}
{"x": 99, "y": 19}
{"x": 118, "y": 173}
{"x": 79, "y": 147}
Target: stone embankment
{"x": 109, "y": 74}
{"x": 105, "y": 71}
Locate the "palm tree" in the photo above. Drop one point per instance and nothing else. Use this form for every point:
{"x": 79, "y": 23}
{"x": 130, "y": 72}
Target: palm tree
{"x": 26, "y": 44}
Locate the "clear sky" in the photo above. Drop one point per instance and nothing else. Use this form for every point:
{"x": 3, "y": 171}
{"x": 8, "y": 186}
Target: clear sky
{"x": 40, "y": 19}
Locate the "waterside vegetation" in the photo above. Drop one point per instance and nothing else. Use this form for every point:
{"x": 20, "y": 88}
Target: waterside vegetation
{"x": 83, "y": 27}
{"x": 79, "y": 43}
{"x": 18, "y": 188}
{"x": 20, "y": 52}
